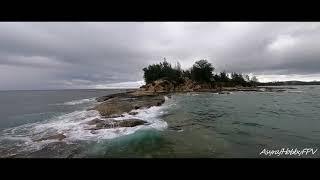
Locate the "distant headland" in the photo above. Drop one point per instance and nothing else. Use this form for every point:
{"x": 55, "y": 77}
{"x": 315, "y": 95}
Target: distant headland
{"x": 289, "y": 83}
{"x": 162, "y": 80}
{"x": 200, "y": 77}
{"x": 163, "y": 77}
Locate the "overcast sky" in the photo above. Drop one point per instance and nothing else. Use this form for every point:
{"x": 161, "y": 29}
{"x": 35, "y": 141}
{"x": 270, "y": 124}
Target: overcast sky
{"x": 59, "y": 55}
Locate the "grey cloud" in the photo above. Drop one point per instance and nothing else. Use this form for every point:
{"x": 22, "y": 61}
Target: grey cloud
{"x": 41, "y": 55}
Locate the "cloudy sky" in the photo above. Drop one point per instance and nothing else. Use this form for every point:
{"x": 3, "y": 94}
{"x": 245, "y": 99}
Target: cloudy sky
{"x": 59, "y": 55}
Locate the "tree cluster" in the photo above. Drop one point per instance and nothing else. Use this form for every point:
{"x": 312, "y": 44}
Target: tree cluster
{"x": 200, "y": 72}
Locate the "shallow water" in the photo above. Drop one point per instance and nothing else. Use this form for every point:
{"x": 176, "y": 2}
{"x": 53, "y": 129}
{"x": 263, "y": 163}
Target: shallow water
{"x": 240, "y": 124}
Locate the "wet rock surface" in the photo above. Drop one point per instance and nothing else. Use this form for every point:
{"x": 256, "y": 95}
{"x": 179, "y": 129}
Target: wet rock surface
{"x": 118, "y": 104}
{"x": 107, "y": 124}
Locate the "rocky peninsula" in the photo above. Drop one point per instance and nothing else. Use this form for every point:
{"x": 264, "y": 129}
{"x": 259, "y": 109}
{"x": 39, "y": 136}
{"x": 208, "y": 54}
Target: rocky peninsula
{"x": 162, "y": 80}
{"x": 152, "y": 94}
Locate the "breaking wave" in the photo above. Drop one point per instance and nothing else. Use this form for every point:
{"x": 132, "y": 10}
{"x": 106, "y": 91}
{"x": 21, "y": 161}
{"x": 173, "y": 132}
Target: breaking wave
{"x": 74, "y": 126}
{"x": 295, "y": 91}
{"x": 81, "y": 101}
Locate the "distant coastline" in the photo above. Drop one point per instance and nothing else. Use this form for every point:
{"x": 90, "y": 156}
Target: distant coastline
{"x": 289, "y": 83}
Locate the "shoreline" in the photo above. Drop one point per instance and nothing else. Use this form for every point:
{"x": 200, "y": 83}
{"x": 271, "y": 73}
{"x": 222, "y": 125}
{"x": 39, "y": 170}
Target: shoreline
{"x": 118, "y": 105}
{"x": 115, "y": 105}
{"x": 114, "y": 108}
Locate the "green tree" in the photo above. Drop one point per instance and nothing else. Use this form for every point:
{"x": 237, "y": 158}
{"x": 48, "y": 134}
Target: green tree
{"x": 237, "y": 79}
{"x": 246, "y": 78}
{"x": 163, "y": 70}
{"x": 254, "y": 81}
{"x": 186, "y": 74}
{"x": 201, "y": 71}
{"x": 224, "y": 77}
{"x": 178, "y": 67}
{"x": 152, "y": 73}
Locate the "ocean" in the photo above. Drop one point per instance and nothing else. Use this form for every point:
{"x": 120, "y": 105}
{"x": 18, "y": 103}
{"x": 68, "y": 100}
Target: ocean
{"x": 187, "y": 125}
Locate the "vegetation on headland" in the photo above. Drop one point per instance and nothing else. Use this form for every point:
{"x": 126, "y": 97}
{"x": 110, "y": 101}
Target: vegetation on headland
{"x": 202, "y": 72}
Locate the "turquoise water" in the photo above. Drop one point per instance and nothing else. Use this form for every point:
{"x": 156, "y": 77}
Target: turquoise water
{"x": 188, "y": 125}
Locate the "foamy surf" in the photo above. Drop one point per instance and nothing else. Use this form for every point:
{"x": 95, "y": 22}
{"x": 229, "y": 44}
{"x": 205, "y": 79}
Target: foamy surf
{"x": 75, "y": 128}
{"x": 76, "y": 102}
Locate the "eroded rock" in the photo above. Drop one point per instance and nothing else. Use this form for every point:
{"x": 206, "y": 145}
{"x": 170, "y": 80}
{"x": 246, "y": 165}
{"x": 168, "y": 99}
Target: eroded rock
{"x": 117, "y": 106}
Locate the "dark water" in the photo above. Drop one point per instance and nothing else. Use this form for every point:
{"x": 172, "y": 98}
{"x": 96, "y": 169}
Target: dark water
{"x": 240, "y": 124}
{"x": 21, "y": 107}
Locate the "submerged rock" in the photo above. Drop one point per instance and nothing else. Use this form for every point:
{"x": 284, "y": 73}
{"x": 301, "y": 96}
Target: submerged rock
{"x": 107, "y": 124}
{"x": 56, "y": 150}
{"x": 173, "y": 128}
{"x": 223, "y": 92}
{"x": 56, "y": 136}
{"x": 130, "y": 123}
{"x": 133, "y": 113}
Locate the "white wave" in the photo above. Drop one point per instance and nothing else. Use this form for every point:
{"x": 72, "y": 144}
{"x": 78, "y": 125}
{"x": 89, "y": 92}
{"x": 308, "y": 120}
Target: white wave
{"x": 74, "y": 126}
{"x": 81, "y": 101}
{"x": 295, "y": 91}
{"x": 76, "y": 102}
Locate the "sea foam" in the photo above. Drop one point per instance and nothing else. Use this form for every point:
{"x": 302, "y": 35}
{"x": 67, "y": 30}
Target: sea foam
{"x": 81, "y": 101}
{"x": 74, "y": 126}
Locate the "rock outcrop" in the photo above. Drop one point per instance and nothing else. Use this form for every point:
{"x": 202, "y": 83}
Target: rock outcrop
{"x": 152, "y": 94}
{"x": 118, "y": 104}
{"x": 164, "y": 86}
{"x": 159, "y": 86}
{"x": 106, "y": 124}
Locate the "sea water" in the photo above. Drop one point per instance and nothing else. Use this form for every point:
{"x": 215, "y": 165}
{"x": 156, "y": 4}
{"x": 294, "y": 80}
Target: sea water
{"x": 240, "y": 124}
